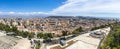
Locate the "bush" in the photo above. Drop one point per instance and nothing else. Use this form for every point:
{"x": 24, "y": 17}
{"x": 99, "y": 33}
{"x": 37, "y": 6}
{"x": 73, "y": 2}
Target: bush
{"x": 78, "y": 30}
{"x": 45, "y": 36}
{"x": 112, "y": 41}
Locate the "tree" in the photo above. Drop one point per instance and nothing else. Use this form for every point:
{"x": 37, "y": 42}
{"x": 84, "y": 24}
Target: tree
{"x": 37, "y": 47}
{"x": 78, "y": 30}
{"x": 112, "y": 41}
{"x": 30, "y": 35}
{"x": 44, "y": 36}
{"x": 49, "y": 35}
{"x": 14, "y": 29}
{"x": 64, "y": 33}
{"x": 75, "y": 32}
{"x": 40, "y": 35}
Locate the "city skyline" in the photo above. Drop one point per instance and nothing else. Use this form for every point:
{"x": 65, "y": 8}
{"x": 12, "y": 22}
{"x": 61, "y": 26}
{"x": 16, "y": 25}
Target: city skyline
{"x": 59, "y": 24}
{"x": 109, "y": 8}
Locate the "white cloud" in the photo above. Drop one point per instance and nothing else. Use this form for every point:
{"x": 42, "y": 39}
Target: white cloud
{"x": 81, "y": 7}
{"x": 89, "y": 7}
{"x": 23, "y": 13}
{"x": 11, "y": 12}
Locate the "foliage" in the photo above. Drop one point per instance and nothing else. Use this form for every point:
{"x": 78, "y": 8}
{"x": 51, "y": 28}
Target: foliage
{"x": 64, "y": 33}
{"x": 102, "y": 26}
{"x": 40, "y": 35}
{"x": 45, "y": 36}
{"x": 37, "y": 47}
{"x": 78, "y": 30}
{"x": 112, "y": 41}
{"x": 7, "y": 28}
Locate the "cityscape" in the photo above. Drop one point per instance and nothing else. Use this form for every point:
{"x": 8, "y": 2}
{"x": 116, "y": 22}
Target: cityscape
{"x": 59, "y": 24}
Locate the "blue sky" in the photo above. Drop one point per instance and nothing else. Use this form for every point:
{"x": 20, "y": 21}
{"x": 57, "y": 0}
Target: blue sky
{"x": 29, "y": 5}
{"x": 102, "y": 8}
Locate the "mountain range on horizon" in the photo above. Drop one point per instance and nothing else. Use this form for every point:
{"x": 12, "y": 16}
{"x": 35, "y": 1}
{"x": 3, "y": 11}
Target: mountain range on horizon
{"x": 48, "y": 16}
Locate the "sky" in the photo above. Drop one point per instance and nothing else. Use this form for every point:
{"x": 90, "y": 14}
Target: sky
{"x": 102, "y": 8}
